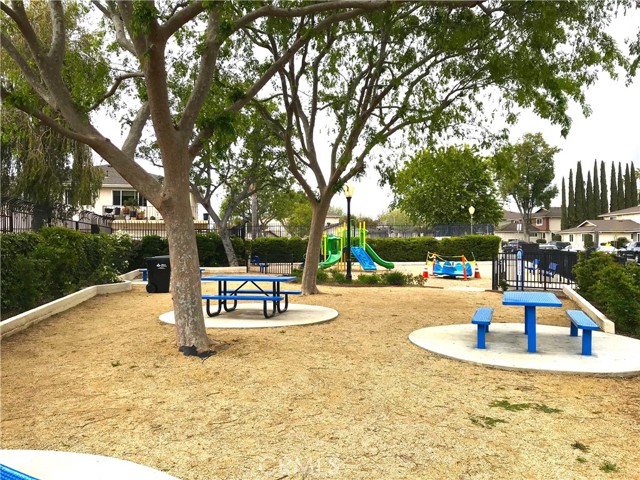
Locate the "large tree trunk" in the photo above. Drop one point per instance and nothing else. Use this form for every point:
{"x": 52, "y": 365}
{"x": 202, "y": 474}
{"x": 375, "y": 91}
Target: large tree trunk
{"x": 185, "y": 278}
{"x": 312, "y": 258}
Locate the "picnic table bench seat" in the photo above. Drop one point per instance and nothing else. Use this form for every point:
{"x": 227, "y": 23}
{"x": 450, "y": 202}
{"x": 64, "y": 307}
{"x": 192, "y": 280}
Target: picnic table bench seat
{"x": 482, "y": 318}
{"x": 223, "y": 299}
{"x": 580, "y": 320}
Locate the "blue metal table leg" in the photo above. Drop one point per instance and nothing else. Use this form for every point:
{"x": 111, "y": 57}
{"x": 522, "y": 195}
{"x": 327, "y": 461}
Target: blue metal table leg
{"x": 530, "y": 327}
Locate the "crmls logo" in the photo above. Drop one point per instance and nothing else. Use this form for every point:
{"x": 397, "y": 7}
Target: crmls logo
{"x": 288, "y": 466}
{"x": 161, "y": 266}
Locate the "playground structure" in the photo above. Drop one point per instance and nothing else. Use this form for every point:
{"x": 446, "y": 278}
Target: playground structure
{"x": 452, "y": 268}
{"x": 334, "y": 248}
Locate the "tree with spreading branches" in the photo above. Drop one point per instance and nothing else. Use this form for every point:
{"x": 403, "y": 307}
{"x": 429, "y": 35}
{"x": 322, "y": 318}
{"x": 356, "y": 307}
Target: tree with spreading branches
{"x": 143, "y": 40}
{"x": 392, "y": 81}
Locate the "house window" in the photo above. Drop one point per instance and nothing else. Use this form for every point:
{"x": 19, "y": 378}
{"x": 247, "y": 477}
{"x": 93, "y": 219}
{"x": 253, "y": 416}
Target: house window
{"x": 538, "y": 221}
{"x": 571, "y": 237}
{"x": 121, "y": 196}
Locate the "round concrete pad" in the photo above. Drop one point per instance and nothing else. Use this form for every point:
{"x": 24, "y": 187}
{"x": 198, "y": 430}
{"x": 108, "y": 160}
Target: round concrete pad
{"x": 250, "y": 316}
{"x": 557, "y": 351}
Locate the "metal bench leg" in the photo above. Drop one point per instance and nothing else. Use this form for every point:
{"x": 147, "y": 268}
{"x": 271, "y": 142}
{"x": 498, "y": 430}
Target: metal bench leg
{"x": 574, "y": 330}
{"x": 482, "y": 329}
{"x": 209, "y": 311}
{"x": 286, "y": 304}
{"x": 273, "y": 309}
{"x": 586, "y": 342}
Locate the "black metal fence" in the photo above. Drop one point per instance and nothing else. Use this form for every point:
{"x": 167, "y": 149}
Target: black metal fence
{"x": 274, "y": 264}
{"x": 17, "y": 215}
{"x": 541, "y": 269}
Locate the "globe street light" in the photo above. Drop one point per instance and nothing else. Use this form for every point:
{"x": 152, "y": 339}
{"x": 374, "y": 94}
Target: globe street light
{"x": 349, "y": 190}
{"x": 472, "y": 210}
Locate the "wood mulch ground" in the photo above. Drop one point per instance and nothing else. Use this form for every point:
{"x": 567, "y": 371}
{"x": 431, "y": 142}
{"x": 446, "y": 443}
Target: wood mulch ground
{"x": 348, "y": 399}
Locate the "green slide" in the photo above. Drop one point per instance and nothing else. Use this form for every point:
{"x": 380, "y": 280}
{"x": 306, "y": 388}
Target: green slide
{"x": 374, "y": 256}
{"x": 334, "y": 257}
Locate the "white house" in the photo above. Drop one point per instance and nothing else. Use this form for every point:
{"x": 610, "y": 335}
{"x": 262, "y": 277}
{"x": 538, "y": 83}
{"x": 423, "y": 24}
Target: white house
{"x": 544, "y": 224}
{"x": 601, "y": 232}
{"x": 113, "y": 195}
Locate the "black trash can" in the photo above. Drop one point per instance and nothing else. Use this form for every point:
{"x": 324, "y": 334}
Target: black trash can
{"x": 158, "y": 274}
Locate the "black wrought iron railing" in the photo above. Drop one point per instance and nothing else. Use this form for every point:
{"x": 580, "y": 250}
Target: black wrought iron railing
{"x": 542, "y": 269}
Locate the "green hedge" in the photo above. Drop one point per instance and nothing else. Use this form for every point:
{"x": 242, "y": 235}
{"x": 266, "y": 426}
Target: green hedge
{"x": 279, "y": 247}
{"x": 40, "y": 267}
{"x": 414, "y": 249}
{"x": 613, "y": 288}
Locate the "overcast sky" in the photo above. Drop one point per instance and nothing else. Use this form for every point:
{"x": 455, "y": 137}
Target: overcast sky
{"x": 610, "y": 133}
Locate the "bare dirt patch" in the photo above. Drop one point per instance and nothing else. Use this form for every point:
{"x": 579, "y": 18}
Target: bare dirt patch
{"x": 349, "y": 399}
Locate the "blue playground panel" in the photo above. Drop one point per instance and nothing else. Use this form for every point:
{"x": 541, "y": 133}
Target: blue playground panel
{"x": 363, "y": 258}
{"x": 452, "y": 269}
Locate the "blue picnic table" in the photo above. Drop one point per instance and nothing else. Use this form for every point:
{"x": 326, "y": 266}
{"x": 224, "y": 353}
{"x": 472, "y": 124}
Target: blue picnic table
{"x": 530, "y": 301}
{"x": 251, "y": 288}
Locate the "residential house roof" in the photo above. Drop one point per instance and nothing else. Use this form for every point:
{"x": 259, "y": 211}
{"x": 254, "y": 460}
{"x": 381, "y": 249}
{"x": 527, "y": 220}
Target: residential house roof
{"x": 555, "y": 212}
{"x": 511, "y": 216}
{"x": 513, "y": 227}
{"x": 620, "y": 226}
{"x": 114, "y": 179}
{"x": 626, "y": 211}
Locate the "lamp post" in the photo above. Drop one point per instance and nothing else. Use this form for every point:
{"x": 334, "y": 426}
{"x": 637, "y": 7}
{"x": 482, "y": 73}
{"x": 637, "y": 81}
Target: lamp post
{"x": 472, "y": 210}
{"x": 349, "y": 189}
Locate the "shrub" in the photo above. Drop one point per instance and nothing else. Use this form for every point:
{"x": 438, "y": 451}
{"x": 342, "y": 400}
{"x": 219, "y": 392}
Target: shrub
{"x": 273, "y": 249}
{"x": 613, "y": 288}
{"x": 478, "y": 247}
{"x": 404, "y": 249}
{"x": 369, "y": 279}
{"x": 338, "y": 276}
{"x": 394, "y": 278}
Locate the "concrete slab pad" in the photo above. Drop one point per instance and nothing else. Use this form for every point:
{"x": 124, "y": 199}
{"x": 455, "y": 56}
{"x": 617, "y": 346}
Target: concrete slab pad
{"x": 250, "y": 315}
{"x": 613, "y": 355}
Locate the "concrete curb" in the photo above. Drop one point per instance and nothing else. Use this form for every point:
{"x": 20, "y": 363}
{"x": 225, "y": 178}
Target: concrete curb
{"x": 594, "y": 314}
{"x": 20, "y": 322}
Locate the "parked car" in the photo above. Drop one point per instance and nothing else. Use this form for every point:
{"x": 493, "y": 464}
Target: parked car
{"x": 607, "y": 249}
{"x": 632, "y": 250}
{"x": 512, "y": 246}
{"x": 559, "y": 245}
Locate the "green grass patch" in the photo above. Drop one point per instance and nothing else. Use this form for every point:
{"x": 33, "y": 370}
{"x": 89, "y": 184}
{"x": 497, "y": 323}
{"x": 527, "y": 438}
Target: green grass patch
{"x": 580, "y": 446}
{"x": 608, "y": 467}
{"x": 486, "y": 422}
{"x": 516, "y": 407}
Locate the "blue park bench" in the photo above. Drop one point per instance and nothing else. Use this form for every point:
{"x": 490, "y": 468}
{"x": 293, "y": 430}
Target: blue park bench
{"x": 580, "y": 320}
{"x": 255, "y": 260}
{"x": 145, "y": 273}
{"x": 482, "y": 318}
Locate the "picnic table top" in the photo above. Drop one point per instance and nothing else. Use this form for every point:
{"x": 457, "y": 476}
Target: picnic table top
{"x": 247, "y": 278}
{"x": 531, "y": 299}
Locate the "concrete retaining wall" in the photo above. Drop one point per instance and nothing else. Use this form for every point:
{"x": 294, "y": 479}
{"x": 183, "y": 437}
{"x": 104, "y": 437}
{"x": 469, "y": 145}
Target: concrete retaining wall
{"x": 24, "y": 320}
{"x": 594, "y": 314}
{"x": 20, "y": 322}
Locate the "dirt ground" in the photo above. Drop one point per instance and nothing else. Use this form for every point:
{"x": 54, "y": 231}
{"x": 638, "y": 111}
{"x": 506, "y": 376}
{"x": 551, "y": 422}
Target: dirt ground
{"x": 349, "y": 399}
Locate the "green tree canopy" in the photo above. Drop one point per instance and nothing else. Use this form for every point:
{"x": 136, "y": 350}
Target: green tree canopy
{"x": 525, "y": 172}
{"x": 439, "y": 185}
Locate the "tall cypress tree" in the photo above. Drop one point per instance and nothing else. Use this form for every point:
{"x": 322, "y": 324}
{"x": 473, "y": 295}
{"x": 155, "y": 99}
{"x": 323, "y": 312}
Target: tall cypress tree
{"x": 604, "y": 193}
{"x": 581, "y": 200}
{"x": 571, "y": 210}
{"x": 613, "y": 206}
{"x": 628, "y": 193}
{"x": 634, "y": 187}
{"x": 620, "y": 187}
{"x": 596, "y": 190}
{"x": 563, "y": 208}
{"x": 590, "y": 210}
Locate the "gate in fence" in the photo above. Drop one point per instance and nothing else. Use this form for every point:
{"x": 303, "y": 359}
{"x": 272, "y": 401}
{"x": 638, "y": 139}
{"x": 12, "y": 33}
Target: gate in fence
{"x": 535, "y": 269}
